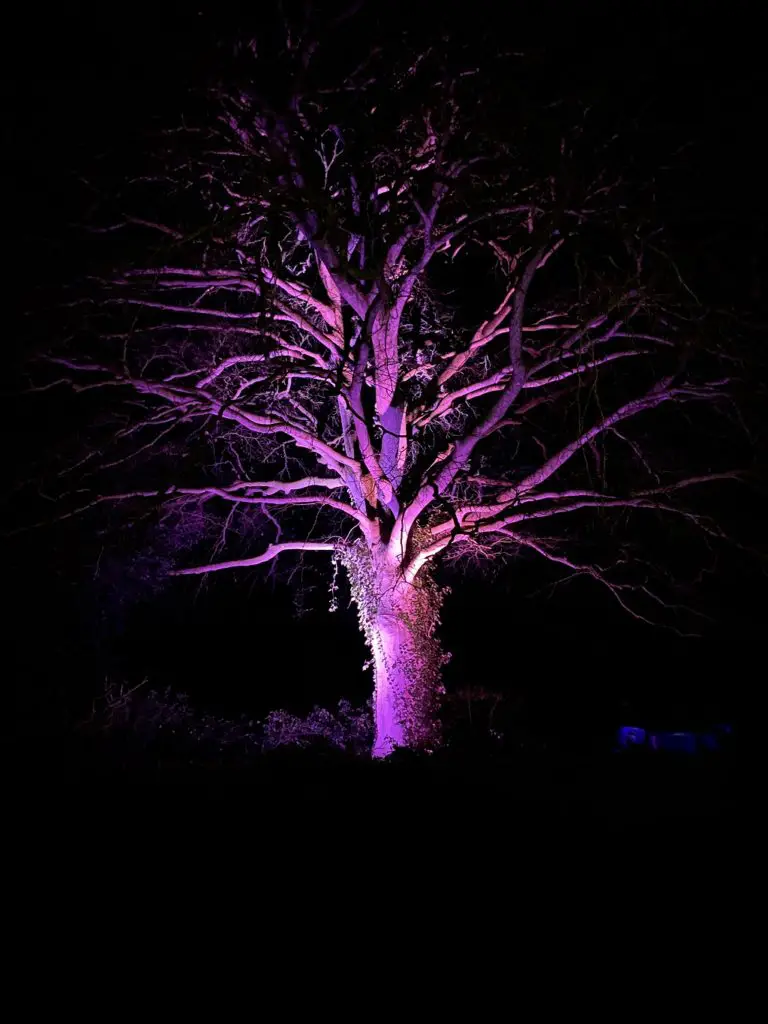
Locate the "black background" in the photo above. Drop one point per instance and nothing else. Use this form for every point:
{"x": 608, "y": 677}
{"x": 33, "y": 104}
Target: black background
{"x": 87, "y": 80}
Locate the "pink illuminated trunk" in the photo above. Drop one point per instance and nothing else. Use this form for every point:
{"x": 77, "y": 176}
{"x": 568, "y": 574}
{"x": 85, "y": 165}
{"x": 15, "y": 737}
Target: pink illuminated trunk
{"x": 399, "y": 620}
{"x": 407, "y": 661}
{"x": 390, "y": 641}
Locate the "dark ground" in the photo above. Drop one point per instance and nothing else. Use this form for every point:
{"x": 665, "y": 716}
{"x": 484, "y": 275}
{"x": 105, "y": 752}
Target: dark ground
{"x": 466, "y": 781}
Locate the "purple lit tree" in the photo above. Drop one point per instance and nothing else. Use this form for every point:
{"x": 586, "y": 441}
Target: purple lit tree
{"x": 394, "y": 333}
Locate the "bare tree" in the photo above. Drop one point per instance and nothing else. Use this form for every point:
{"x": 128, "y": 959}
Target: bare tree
{"x": 311, "y": 264}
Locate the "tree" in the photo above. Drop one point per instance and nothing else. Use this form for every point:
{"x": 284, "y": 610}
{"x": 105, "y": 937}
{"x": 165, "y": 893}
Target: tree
{"x": 308, "y": 265}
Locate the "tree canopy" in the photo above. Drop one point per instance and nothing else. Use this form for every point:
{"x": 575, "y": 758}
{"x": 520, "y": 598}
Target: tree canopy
{"x": 390, "y": 304}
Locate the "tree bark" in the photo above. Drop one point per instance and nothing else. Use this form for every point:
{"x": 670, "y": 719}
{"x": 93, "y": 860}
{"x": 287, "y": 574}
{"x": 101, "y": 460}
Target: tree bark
{"x": 400, "y": 620}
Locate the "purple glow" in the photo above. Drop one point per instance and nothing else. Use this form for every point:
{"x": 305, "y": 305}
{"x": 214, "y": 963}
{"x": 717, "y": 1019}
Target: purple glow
{"x": 679, "y": 742}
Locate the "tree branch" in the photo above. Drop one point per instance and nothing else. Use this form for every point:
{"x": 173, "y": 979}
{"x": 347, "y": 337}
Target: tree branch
{"x": 272, "y": 552}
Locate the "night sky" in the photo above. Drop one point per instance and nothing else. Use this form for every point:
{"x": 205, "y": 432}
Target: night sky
{"x": 83, "y": 87}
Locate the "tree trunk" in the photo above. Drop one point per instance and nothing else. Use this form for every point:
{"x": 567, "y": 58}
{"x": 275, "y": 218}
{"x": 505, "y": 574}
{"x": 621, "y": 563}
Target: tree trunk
{"x": 399, "y": 620}
{"x": 407, "y": 663}
{"x": 407, "y": 690}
